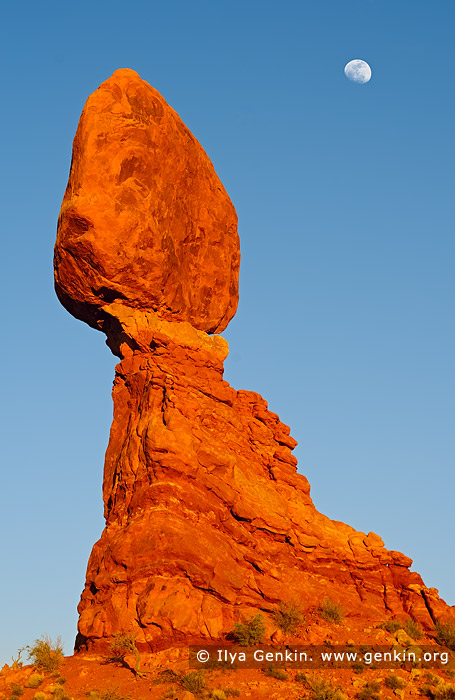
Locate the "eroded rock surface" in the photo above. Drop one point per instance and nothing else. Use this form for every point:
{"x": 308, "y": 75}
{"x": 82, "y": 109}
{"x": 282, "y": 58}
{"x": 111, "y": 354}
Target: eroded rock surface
{"x": 145, "y": 218}
{"x": 207, "y": 519}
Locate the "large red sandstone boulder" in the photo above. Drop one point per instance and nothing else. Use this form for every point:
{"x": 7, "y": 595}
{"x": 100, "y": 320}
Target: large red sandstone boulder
{"x": 144, "y": 218}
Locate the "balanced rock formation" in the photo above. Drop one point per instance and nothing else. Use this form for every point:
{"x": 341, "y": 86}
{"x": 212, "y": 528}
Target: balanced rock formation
{"x": 207, "y": 519}
{"x": 144, "y": 218}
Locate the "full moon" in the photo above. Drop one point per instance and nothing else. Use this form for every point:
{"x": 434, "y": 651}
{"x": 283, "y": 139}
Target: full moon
{"x": 358, "y": 71}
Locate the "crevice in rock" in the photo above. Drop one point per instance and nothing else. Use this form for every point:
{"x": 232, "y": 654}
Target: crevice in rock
{"x": 428, "y": 607}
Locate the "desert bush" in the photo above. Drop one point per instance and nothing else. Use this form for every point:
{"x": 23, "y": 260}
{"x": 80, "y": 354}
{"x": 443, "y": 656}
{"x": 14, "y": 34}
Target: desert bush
{"x": 218, "y": 694}
{"x": 168, "y": 694}
{"x": 249, "y": 631}
{"x": 413, "y": 629}
{"x": 445, "y": 634}
{"x": 431, "y": 678}
{"x": 391, "y": 625}
{"x": 394, "y": 682}
{"x": 224, "y": 665}
{"x": 59, "y": 693}
{"x": 331, "y": 611}
{"x": 232, "y": 692}
{"x": 370, "y": 691}
{"x": 40, "y": 696}
{"x": 34, "y": 681}
{"x": 319, "y": 688}
{"x": 57, "y": 677}
{"x": 358, "y": 667}
{"x": 16, "y": 691}
{"x": 122, "y": 644}
{"x": 194, "y": 682}
{"x": 288, "y": 617}
{"x": 166, "y": 676}
{"x": 277, "y": 673}
{"x": 443, "y": 691}
{"x": 109, "y": 694}
{"x": 46, "y": 654}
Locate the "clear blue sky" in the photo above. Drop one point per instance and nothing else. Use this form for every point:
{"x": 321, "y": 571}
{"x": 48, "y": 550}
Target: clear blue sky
{"x": 346, "y": 217}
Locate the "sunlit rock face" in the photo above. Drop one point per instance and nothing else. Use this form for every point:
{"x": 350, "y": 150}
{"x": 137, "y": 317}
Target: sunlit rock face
{"x": 207, "y": 519}
{"x": 144, "y": 218}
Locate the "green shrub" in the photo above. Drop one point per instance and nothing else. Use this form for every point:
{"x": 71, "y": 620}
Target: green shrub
{"x": 394, "y": 682}
{"x": 331, "y": 611}
{"x": 34, "y": 681}
{"x": 391, "y": 625}
{"x": 288, "y": 617}
{"x": 125, "y": 643}
{"x": 110, "y": 694}
{"x": 428, "y": 689}
{"x": 168, "y": 694}
{"x": 445, "y": 691}
{"x": 249, "y": 631}
{"x": 413, "y": 629}
{"x": 319, "y": 688}
{"x": 218, "y": 694}
{"x": 370, "y": 691}
{"x": 60, "y": 693}
{"x": 194, "y": 682}
{"x": 358, "y": 667}
{"x": 16, "y": 691}
{"x": 215, "y": 665}
{"x": 166, "y": 676}
{"x": 276, "y": 673}
{"x": 445, "y": 634}
{"x": 431, "y": 678}
{"x": 46, "y": 654}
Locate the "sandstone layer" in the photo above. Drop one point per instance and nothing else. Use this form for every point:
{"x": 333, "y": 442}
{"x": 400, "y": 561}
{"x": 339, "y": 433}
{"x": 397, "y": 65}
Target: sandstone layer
{"x": 207, "y": 519}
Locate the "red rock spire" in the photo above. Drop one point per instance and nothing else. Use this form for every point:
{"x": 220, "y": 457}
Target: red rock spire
{"x": 207, "y": 518}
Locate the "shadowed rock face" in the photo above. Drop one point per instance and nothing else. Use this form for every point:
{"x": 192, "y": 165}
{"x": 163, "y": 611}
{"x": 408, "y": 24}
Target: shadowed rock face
{"x": 144, "y": 218}
{"x": 206, "y": 517}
